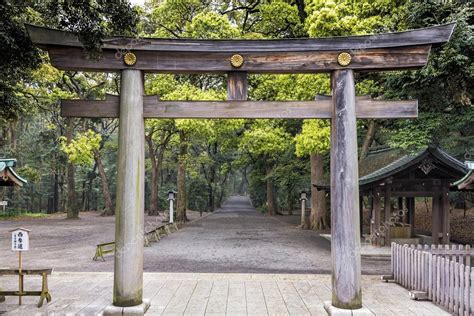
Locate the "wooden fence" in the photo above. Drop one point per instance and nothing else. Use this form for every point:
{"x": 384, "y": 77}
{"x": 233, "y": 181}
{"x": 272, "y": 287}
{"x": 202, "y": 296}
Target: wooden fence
{"x": 440, "y": 273}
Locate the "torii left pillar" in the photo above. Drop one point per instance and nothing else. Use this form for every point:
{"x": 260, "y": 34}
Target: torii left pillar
{"x": 129, "y": 211}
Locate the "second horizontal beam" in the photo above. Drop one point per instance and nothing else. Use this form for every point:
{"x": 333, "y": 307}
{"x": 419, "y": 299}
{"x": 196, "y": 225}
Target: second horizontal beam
{"x": 153, "y": 108}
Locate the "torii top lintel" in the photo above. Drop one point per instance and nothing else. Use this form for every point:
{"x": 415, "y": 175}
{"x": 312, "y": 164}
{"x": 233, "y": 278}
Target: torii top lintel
{"x": 388, "y": 51}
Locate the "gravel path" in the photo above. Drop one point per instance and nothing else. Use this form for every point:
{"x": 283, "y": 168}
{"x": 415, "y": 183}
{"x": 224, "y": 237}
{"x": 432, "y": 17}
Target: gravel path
{"x": 239, "y": 239}
{"x": 234, "y": 239}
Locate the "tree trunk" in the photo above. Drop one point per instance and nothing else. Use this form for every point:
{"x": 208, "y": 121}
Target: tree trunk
{"x": 289, "y": 200}
{"x": 270, "y": 192}
{"x": 369, "y": 139}
{"x": 71, "y": 206}
{"x": 181, "y": 180}
{"x": 153, "y": 208}
{"x": 109, "y": 207}
{"x": 55, "y": 206}
{"x": 13, "y": 139}
{"x": 318, "y": 198}
{"x": 301, "y": 10}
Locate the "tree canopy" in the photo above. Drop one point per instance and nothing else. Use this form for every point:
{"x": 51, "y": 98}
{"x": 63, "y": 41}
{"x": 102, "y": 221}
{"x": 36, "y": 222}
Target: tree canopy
{"x": 72, "y": 163}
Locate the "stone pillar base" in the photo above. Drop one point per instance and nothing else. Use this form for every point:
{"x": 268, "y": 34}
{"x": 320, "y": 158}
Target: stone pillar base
{"x": 138, "y": 310}
{"x": 333, "y": 310}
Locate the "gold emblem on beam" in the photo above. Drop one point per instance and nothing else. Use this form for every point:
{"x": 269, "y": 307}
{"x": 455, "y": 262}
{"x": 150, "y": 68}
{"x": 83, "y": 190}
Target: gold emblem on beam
{"x": 130, "y": 59}
{"x": 237, "y": 60}
{"x": 344, "y": 59}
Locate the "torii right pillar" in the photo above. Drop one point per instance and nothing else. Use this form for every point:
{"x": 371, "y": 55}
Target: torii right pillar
{"x": 345, "y": 220}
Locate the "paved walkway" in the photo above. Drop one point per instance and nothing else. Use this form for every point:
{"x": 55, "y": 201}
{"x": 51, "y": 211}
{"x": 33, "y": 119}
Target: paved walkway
{"x": 215, "y": 294}
{"x": 239, "y": 239}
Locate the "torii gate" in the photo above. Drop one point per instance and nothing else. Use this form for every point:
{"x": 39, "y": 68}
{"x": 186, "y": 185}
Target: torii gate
{"x": 340, "y": 56}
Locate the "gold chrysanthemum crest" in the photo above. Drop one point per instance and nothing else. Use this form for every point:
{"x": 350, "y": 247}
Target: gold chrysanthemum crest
{"x": 130, "y": 59}
{"x": 344, "y": 59}
{"x": 237, "y": 60}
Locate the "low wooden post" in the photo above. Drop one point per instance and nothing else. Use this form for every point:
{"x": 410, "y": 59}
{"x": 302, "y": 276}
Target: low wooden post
{"x": 435, "y": 218}
{"x": 129, "y": 212}
{"x": 345, "y": 240}
{"x": 376, "y": 211}
{"x": 388, "y": 213}
{"x": 411, "y": 214}
{"x": 445, "y": 213}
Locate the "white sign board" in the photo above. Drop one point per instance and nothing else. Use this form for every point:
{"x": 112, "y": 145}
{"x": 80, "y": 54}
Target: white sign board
{"x": 3, "y": 203}
{"x": 20, "y": 239}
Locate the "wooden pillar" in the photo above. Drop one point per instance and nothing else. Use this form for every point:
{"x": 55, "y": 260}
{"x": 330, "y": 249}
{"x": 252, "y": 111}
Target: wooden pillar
{"x": 129, "y": 212}
{"x": 445, "y": 213}
{"x": 361, "y": 214}
{"x": 411, "y": 214}
{"x": 377, "y": 223}
{"x": 435, "y": 230}
{"x": 387, "y": 213}
{"x": 345, "y": 241}
{"x": 237, "y": 86}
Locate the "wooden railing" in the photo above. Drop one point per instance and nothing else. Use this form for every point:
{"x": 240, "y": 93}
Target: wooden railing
{"x": 440, "y": 273}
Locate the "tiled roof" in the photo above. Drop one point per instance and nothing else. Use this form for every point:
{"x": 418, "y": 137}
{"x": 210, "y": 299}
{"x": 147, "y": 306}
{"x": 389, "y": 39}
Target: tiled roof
{"x": 8, "y": 175}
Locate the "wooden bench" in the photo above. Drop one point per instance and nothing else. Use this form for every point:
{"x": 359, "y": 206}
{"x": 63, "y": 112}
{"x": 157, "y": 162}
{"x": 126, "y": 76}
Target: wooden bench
{"x": 43, "y": 294}
{"x": 102, "y": 249}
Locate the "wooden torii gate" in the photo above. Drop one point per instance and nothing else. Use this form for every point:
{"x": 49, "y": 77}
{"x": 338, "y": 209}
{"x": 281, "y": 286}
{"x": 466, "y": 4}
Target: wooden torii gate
{"x": 341, "y": 56}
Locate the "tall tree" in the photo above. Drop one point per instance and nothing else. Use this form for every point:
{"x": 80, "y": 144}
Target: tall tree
{"x": 265, "y": 141}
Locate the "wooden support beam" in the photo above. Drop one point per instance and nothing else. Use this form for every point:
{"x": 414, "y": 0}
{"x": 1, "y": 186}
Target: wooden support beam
{"x": 154, "y": 108}
{"x": 388, "y": 51}
{"x": 183, "y": 62}
{"x": 237, "y": 86}
{"x": 345, "y": 234}
{"x": 438, "y": 34}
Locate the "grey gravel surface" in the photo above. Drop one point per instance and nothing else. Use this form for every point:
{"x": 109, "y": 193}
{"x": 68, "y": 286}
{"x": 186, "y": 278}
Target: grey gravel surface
{"x": 237, "y": 238}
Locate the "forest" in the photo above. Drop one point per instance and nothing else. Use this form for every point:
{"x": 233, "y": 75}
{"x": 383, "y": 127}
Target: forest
{"x": 71, "y": 164}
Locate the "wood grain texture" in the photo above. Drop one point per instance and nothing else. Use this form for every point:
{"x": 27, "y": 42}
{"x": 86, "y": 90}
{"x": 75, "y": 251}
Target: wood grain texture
{"x": 374, "y": 59}
{"x": 130, "y": 201}
{"x": 424, "y": 36}
{"x": 237, "y": 86}
{"x": 345, "y": 234}
{"x": 154, "y": 108}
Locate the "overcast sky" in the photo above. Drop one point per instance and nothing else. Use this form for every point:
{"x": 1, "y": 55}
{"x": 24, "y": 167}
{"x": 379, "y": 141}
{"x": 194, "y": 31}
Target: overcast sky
{"x": 139, "y": 2}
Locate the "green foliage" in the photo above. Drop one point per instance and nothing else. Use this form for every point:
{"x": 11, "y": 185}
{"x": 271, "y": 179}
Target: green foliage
{"x": 19, "y": 214}
{"x": 29, "y": 173}
{"x": 265, "y": 139}
{"x": 279, "y": 19}
{"x": 19, "y": 57}
{"x": 211, "y": 25}
{"x": 345, "y": 17}
{"x": 444, "y": 87}
{"x": 314, "y": 138}
{"x": 92, "y": 20}
{"x": 81, "y": 150}
{"x": 412, "y": 135}
{"x": 218, "y": 150}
